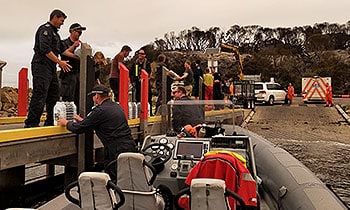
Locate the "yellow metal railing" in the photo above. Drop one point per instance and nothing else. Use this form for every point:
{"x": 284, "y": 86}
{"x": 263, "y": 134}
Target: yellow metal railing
{"x": 16, "y": 120}
{"x": 30, "y": 133}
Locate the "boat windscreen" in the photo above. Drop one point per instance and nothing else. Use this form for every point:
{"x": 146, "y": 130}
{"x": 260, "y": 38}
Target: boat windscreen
{"x": 177, "y": 114}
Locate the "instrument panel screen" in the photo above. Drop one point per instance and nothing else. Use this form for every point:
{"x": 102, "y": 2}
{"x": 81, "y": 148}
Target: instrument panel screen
{"x": 186, "y": 149}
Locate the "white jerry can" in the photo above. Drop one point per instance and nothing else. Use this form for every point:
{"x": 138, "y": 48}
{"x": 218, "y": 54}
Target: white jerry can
{"x": 64, "y": 109}
{"x": 139, "y": 110}
{"x": 132, "y": 108}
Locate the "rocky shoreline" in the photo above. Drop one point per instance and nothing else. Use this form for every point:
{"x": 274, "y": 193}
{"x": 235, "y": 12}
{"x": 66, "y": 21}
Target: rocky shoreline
{"x": 8, "y": 101}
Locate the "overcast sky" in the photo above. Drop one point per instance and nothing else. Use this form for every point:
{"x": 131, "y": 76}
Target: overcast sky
{"x": 112, "y": 23}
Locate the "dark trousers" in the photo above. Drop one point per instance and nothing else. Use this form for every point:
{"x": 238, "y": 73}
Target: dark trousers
{"x": 114, "y": 84}
{"x": 70, "y": 87}
{"x": 113, "y": 150}
{"x": 45, "y": 92}
{"x": 159, "y": 100}
{"x": 137, "y": 91}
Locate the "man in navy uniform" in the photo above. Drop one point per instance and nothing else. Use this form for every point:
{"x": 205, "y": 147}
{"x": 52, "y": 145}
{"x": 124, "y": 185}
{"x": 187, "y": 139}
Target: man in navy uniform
{"x": 47, "y": 48}
{"x": 108, "y": 120}
{"x": 70, "y": 80}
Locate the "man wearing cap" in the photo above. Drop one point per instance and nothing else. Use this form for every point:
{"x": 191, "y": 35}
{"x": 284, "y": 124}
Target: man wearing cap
{"x": 114, "y": 73}
{"x": 108, "y": 120}
{"x": 70, "y": 79}
{"x": 184, "y": 111}
{"x": 47, "y": 48}
{"x": 135, "y": 76}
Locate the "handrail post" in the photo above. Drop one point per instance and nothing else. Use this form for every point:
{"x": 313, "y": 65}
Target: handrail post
{"x": 200, "y": 88}
{"x": 87, "y": 78}
{"x": 144, "y": 103}
{"x": 124, "y": 88}
{"x": 164, "y": 101}
{"x": 22, "y": 92}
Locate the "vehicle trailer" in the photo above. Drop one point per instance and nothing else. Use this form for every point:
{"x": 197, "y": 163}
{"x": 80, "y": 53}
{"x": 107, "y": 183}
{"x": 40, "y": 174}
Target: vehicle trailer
{"x": 314, "y": 88}
{"x": 244, "y": 93}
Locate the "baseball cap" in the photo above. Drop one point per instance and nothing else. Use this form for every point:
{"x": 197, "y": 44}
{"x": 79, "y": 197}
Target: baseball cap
{"x": 100, "y": 89}
{"x": 176, "y": 84}
{"x": 76, "y": 27}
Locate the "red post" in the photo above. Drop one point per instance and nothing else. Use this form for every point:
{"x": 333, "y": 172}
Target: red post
{"x": 124, "y": 88}
{"x": 144, "y": 95}
{"x": 22, "y": 92}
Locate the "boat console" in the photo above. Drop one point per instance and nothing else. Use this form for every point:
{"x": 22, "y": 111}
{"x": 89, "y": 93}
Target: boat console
{"x": 186, "y": 152}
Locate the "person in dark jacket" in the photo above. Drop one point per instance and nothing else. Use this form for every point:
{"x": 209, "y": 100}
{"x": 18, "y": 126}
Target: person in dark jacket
{"x": 70, "y": 80}
{"x": 217, "y": 94}
{"x": 135, "y": 76}
{"x": 47, "y": 48}
{"x": 109, "y": 122}
{"x": 184, "y": 112}
{"x": 187, "y": 78}
{"x": 99, "y": 67}
{"x": 197, "y": 76}
{"x": 159, "y": 81}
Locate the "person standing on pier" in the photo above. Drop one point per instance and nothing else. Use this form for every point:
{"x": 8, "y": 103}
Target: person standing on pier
{"x": 108, "y": 120}
{"x": 159, "y": 81}
{"x": 187, "y": 78}
{"x": 100, "y": 65}
{"x": 70, "y": 80}
{"x": 135, "y": 74}
{"x": 115, "y": 72}
{"x": 47, "y": 47}
{"x": 197, "y": 76}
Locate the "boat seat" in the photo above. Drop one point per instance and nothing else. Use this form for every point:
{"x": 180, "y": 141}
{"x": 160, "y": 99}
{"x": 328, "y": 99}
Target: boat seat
{"x": 229, "y": 168}
{"x": 96, "y": 191}
{"x": 135, "y": 177}
{"x": 208, "y": 194}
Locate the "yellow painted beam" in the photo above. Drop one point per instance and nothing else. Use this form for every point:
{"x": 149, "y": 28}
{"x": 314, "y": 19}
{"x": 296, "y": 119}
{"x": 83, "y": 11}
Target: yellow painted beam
{"x": 218, "y": 112}
{"x": 135, "y": 121}
{"x": 154, "y": 119}
{"x": 16, "y": 120}
{"x": 29, "y": 133}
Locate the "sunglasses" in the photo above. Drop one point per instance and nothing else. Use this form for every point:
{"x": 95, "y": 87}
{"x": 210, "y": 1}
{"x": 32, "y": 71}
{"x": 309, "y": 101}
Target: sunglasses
{"x": 79, "y": 32}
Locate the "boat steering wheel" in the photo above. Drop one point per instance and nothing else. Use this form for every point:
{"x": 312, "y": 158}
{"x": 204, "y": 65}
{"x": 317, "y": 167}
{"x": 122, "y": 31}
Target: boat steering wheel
{"x": 157, "y": 154}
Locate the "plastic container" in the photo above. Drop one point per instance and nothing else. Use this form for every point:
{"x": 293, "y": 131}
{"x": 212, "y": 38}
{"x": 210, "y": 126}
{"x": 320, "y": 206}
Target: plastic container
{"x": 132, "y": 108}
{"x": 64, "y": 109}
{"x": 202, "y": 132}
